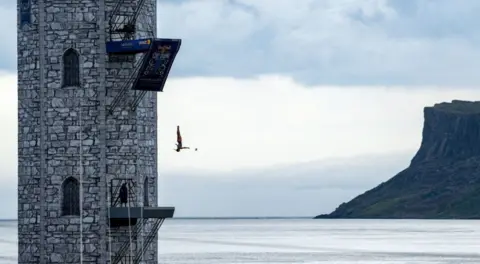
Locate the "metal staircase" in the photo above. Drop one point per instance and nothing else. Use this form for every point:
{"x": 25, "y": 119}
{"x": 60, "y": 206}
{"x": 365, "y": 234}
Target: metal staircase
{"x": 123, "y": 20}
{"x": 122, "y": 255}
{"x": 152, "y": 68}
{"x": 126, "y": 86}
{"x": 148, "y": 240}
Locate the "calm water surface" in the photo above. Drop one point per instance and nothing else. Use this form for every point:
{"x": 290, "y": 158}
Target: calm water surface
{"x": 305, "y": 241}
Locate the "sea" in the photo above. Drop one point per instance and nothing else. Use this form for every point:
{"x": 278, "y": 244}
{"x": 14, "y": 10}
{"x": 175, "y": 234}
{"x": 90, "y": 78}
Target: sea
{"x": 212, "y": 241}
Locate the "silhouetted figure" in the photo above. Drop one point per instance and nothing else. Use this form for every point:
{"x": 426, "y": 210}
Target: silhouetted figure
{"x": 123, "y": 195}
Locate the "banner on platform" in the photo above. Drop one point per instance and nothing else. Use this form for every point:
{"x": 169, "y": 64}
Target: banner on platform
{"x": 156, "y": 66}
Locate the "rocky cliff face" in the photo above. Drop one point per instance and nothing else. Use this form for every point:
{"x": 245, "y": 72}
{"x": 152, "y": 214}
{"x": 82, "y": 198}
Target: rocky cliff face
{"x": 451, "y": 130}
{"x": 443, "y": 179}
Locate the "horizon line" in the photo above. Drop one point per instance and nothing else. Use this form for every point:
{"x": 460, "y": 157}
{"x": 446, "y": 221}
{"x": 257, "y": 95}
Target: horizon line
{"x": 216, "y": 217}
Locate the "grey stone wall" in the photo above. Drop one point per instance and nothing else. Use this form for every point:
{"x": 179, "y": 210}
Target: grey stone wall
{"x": 55, "y": 122}
{"x": 29, "y": 173}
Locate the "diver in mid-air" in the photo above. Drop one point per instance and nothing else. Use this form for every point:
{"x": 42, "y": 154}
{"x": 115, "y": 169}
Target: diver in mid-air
{"x": 179, "y": 141}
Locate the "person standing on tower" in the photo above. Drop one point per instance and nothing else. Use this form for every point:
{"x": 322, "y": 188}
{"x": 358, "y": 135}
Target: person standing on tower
{"x": 123, "y": 195}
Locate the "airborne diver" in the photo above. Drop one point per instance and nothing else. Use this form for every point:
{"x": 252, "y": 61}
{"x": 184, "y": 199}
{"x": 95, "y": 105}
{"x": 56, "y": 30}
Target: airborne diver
{"x": 179, "y": 141}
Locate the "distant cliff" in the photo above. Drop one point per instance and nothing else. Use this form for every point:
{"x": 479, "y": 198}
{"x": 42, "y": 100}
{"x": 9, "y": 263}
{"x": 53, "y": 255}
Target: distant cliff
{"x": 443, "y": 179}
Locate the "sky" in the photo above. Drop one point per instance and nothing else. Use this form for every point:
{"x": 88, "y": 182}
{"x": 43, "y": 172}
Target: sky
{"x": 294, "y": 106}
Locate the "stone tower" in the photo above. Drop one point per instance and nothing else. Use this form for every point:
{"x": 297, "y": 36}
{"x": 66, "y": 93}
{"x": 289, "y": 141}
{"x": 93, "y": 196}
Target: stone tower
{"x": 88, "y": 71}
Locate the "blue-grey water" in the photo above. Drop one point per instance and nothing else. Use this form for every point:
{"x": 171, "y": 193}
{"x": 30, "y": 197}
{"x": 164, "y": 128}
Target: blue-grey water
{"x": 305, "y": 241}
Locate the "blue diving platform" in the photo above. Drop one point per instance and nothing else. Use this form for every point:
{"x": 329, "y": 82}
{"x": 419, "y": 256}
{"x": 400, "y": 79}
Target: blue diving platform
{"x": 157, "y": 61}
{"x": 129, "y": 46}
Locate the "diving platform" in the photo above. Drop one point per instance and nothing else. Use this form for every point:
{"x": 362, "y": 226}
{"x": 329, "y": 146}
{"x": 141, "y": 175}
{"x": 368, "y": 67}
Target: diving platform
{"x": 143, "y": 221}
{"x": 122, "y": 216}
{"x": 129, "y": 46}
{"x": 151, "y": 71}
{"x": 125, "y": 209}
{"x": 141, "y": 212}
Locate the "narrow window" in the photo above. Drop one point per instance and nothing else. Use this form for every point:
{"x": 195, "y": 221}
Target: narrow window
{"x": 71, "y": 68}
{"x": 70, "y": 201}
{"x": 145, "y": 192}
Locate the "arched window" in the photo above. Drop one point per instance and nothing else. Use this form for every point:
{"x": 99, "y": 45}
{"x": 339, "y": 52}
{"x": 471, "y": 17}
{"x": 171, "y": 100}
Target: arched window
{"x": 71, "y": 197}
{"x": 145, "y": 192}
{"x": 71, "y": 68}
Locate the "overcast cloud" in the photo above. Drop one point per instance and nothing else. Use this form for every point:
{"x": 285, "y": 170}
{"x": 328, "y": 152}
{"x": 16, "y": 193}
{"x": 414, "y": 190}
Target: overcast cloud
{"x": 371, "y": 42}
{"x": 271, "y": 91}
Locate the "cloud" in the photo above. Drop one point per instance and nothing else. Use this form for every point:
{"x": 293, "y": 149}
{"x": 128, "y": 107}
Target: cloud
{"x": 375, "y": 42}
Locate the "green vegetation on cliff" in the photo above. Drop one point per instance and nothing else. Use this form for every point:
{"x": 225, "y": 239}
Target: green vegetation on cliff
{"x": 443, "y": 179}
{"x": 459, "y": 107}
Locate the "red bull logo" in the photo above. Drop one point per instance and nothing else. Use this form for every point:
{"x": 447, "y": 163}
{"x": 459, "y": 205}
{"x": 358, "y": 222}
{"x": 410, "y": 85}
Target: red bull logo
{"x": 164, "y": 48}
